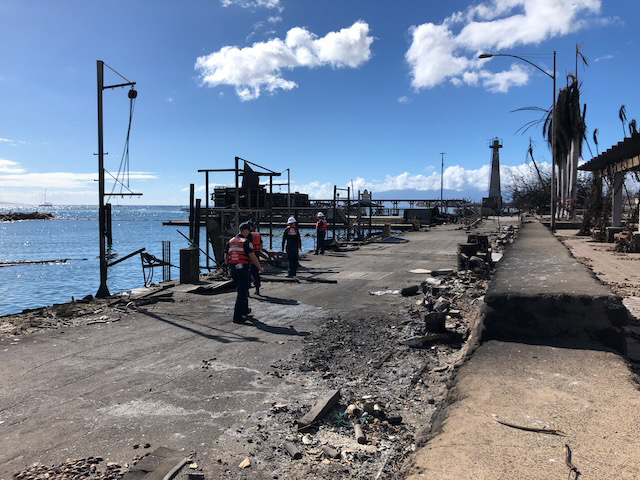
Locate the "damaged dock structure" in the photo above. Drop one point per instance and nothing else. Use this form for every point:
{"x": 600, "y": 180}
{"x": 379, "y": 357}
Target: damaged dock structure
{"x": 351, "y": 215}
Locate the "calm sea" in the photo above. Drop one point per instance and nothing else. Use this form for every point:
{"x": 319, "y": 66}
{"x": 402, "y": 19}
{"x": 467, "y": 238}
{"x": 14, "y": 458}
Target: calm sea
{"x": 73, "y": 235}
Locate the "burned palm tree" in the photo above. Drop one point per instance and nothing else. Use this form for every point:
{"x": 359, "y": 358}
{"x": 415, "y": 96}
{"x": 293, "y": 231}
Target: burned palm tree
{"x": 632, "y": 127}
{"x": 570, "y": 133}
{"x": 622, "y": 115}
{"x": 595, "y": 140}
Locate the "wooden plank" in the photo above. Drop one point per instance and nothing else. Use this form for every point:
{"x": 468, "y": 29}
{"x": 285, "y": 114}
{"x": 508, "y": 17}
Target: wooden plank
{"x": 321, "y": 408}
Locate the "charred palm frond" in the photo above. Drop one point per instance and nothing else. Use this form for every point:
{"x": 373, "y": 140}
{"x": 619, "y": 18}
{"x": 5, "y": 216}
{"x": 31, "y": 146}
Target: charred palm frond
{"x": 595, "y": 140}
{"x": 632, "y": 127}
{"x": 531, "y": 123}
{"x": 622, "y": 115}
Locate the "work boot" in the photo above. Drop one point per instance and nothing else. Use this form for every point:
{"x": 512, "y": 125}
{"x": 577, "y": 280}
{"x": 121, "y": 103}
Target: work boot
{"x": 315, "y": 253}
{"x": 257, "y": 290}
{"x": 240, "y": 321}
{"x": 248, "y": 312}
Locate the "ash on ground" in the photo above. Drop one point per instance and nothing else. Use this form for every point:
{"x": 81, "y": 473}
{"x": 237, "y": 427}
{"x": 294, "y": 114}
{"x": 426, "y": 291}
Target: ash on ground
{"x": 392, "y": 373}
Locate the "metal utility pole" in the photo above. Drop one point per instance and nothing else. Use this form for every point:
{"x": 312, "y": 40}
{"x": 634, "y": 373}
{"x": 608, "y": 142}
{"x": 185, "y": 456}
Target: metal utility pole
{"x": 103, "y": 290}
{"x": 553, "y": 150}
{"x": 289, "y": 191}
{"x": 442, "y": 178}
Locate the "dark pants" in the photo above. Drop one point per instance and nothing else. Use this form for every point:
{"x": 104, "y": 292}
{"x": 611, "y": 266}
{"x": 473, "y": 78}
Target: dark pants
{"x": 241, "y": 277}
{"x": 255, "y": 274}
{"x": 320, "y": 241}
{"x": 292, "y": 257}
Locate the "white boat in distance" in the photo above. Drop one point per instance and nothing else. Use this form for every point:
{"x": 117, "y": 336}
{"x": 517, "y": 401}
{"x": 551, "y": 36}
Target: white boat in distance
{"x": 44, "y": 202}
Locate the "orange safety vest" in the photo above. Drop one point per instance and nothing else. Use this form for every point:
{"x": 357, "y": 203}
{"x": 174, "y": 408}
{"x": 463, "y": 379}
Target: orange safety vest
{"x": 321, "y": 225}
{"x": 256, "y": 241}
{"x": 236, "y": 251}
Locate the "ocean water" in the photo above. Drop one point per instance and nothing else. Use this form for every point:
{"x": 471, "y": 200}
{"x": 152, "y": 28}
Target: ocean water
{"x": 73, "y": 235}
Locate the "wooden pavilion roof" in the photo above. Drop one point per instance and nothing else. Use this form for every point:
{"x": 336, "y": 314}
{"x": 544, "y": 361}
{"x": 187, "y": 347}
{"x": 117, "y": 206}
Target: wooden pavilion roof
{"x": 621, "y": 157}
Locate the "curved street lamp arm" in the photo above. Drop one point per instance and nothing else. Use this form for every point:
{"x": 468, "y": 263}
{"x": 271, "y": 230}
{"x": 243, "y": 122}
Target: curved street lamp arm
{"x": 489, "y": 55}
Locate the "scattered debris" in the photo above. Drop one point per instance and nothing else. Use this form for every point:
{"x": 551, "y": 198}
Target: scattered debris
{"x": 292, "y": 450}
{"x": 246, "y": 463}
{"x": 549, "y": 431}
{"x": 385, "y": 292}
{"x": 567, "y": 460}
{"x": 91, "y": 467}
{"x": 410, "y": 291}
{"x": 329, "y": 452}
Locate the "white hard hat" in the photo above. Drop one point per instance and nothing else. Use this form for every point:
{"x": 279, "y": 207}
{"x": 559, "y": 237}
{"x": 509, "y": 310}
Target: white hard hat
{"x": 320, "y": 214}
{"x": 292, "y": 220}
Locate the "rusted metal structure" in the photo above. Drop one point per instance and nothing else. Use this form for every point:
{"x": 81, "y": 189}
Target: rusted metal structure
{"x": 252, "y": 198}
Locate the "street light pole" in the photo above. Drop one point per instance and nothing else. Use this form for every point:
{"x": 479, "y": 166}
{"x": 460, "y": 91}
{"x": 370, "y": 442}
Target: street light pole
{"x": 553, "y": 125}
{"x": 442, "y": 179}
{"x": 553, "y": 150}
{"x": 289, "y": 191}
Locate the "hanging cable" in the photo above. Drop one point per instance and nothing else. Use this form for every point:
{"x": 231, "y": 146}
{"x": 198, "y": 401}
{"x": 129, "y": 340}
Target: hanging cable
{"x": 123, "y": 169}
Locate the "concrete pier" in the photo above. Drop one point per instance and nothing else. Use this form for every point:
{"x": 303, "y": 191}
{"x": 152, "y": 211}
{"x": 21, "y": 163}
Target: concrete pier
{"x": 557, "y": 372}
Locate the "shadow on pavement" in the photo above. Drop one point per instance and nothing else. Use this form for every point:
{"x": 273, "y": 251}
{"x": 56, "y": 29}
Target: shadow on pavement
{"x": 279, "y": 301}
{"x": 275, "y": 330}
{"x": 229, "y": 337}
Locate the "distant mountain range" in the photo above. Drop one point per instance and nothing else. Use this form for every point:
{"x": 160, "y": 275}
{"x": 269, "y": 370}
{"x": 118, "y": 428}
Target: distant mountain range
{"x": 413, "y": 194}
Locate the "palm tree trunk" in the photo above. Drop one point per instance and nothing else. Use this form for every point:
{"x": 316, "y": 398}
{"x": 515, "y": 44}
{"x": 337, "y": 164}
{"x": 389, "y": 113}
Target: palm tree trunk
{"x": 573, "y": 185}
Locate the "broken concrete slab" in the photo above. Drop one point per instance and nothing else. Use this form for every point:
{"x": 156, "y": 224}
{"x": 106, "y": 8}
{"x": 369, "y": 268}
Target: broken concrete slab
{"x": 321, "y": 408}
{"x": 160, "y": 464}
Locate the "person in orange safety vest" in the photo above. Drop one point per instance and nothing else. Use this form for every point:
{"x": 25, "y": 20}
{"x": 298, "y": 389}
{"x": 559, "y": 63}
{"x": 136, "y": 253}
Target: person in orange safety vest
{"x": 256, "y": 241}
{"x": 239, "y": 254}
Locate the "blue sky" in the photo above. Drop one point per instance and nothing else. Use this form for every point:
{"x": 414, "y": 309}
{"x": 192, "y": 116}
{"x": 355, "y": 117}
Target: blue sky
{"x": 363, "y": 91}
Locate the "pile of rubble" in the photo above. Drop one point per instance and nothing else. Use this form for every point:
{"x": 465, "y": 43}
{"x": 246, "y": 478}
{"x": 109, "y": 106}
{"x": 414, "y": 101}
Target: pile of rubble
{"x": 446, "y": 298}
{"x": 89, "y": 468}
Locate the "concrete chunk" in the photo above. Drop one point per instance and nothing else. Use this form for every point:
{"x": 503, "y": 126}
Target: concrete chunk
{"x": 321, "y": 408}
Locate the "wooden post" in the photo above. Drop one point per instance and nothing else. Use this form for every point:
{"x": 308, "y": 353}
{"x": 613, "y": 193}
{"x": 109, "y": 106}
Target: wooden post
{"x": 359, "y": 216}
{"x": 108, "y": 226}
{"x": 270, "y": 213}
{"x": 191, "y": 210}
{"x": 370, "y": 212}
{"x": 335, "y": 212}
{"x": 348, "y": 211}
{"x": 237, "y": 212}
{"x": 196, "y": 223}
{"x": 206, "y": 217}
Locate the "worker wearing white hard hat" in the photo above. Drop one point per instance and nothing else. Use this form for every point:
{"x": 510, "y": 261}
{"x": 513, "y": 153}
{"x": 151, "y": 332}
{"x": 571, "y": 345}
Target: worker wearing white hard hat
{"x": 321, "y": 231}
{"x": 292, "y": 242}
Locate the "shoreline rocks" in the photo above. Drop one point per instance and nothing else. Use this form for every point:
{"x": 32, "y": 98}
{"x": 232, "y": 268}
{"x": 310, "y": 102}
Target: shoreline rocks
{"x": 15, "y": 216}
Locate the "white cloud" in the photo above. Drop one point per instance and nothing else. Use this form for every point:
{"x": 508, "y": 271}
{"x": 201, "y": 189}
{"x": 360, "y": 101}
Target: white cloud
{"x": 274, "y": 19}
{"x": 6, "y": 140}
{"x": 449, "y": 51}
{"x": 404, "y": 99}
{"x": 61, "y": 179}
{"x": 604, "y": 57}
{"x": 9, "y": 166}
{"x": 259, "y": 67}
{"x": 252, "y": 3}
{"x": 455, "y": 178}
